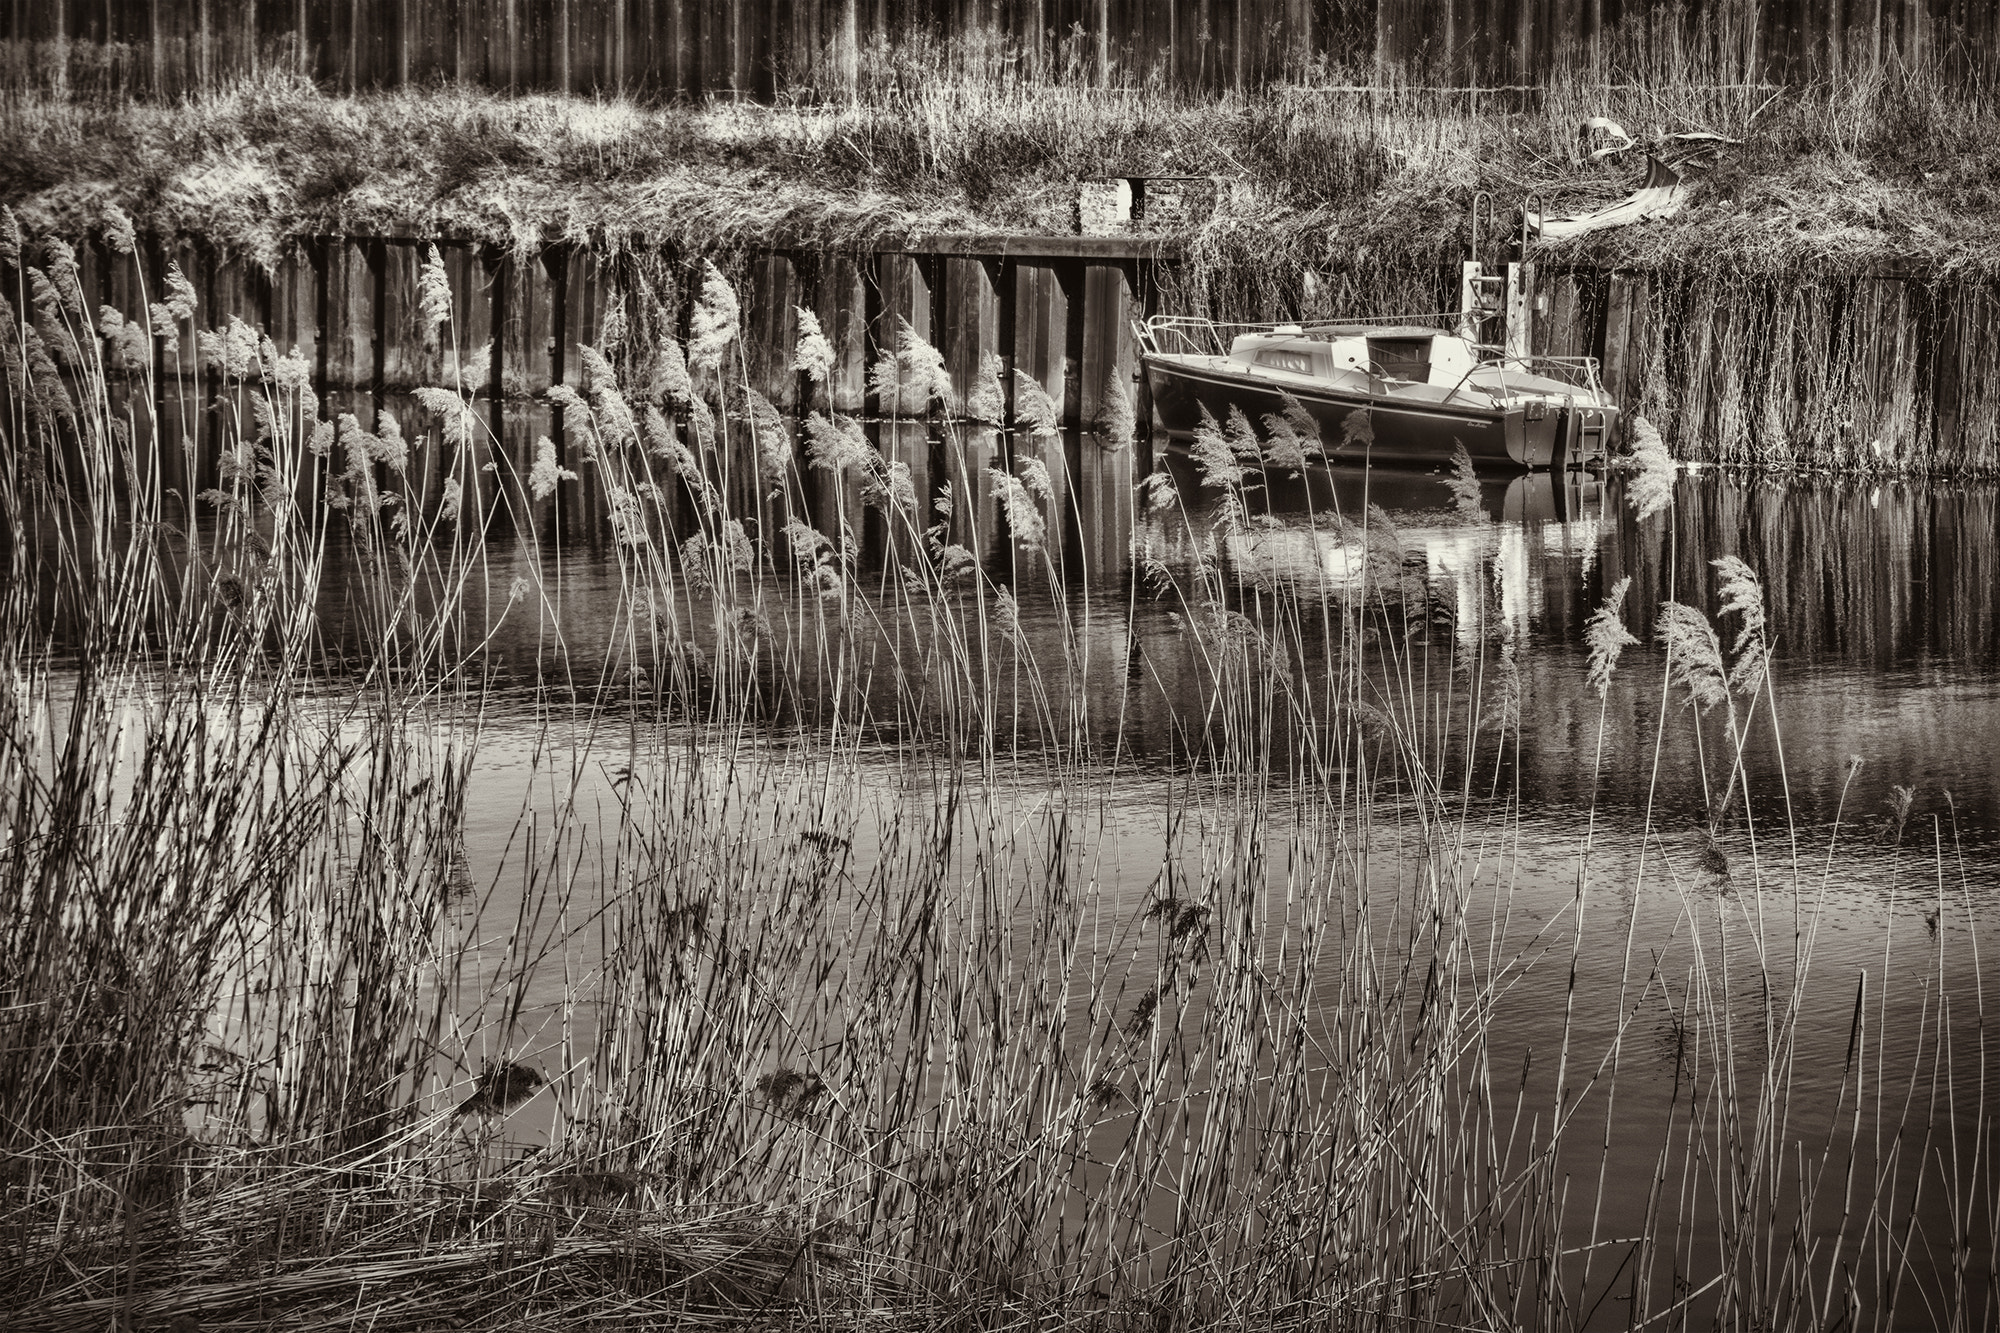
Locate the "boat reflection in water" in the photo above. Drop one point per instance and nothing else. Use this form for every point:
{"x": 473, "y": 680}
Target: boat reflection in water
{"x": 1486, "y": 557}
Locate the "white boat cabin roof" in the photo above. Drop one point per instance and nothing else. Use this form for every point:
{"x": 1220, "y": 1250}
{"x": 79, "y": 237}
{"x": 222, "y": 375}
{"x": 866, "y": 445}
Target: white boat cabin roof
{"x": 1400, "y": 354}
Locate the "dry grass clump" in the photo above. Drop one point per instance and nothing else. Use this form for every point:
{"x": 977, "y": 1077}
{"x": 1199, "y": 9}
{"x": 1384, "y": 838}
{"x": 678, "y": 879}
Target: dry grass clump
{"x": 804, "y": 963}
{"x": 1895, "y": 166}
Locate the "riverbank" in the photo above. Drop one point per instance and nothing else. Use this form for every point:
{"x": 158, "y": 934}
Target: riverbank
{"x": 1899, "y": 171}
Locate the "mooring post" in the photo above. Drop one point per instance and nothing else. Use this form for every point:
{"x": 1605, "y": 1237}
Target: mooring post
{"x": 1520, "y": 334}
{"x": 1470, "y": 306}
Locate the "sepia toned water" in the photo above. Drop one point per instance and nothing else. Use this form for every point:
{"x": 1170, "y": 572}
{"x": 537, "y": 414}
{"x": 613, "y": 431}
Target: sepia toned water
{"x": 1871, "y": 843}
{"x": 1862, "y": 872}
{"x": 1883, "y": 600}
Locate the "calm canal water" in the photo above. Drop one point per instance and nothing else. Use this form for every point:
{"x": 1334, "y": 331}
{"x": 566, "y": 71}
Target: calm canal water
{"x": 1884, "y": 615}
{"x": 1883, "y": 600}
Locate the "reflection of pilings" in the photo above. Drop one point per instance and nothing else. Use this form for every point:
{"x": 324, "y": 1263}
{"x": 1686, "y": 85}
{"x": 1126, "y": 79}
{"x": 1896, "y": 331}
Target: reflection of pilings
{"x": 1875, "y": 572}
{"x": 894, "y": 533}
{"x": 969, "y": 452}
{"x": 1105, "y": 505}
{"x": 1051, "y": 452}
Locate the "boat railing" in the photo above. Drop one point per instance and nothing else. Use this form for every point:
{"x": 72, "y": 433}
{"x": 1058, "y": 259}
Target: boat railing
{"x": 1199, "y": 336}
{"x": 1580, "y": 371}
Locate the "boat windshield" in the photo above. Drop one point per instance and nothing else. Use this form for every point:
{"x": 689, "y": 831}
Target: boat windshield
{"x": 1401, "y": 358}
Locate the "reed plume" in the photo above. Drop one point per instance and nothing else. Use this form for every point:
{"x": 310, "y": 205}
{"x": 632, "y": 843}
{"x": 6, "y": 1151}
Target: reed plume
{"x": 1034, "y": 409}
{"x": 715, "y": 322}
{"x": 1694, "y": 654}
{"x": 910, "y": 379}
{"x": 814, "y": 353}
{"x": 1117, "y": 426}
{"x": 1651, "y": 489}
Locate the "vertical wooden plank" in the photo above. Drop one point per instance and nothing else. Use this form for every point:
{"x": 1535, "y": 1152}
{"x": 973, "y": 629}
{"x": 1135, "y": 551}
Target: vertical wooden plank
{"x": 116, "y": 285}
{"x": 581, "y": 312}
{"x": 770, "y": 340}
{"x": 1520, "y": 310}
{"x": 477, "y": 288}
{"x": 1041, "y": 327}
{"x": 184, "y": 429}
{"x": 295, "y": 292}
{"x": 351, "y": 337}
{"x": 1558, "y": 325}
{"x": 1108, "y": 354}
{"x": 409, "y": 357}
{"x": 1616, "y": 336}
{"x": 584, "y": 306}
{"x": 903, "y": 296}
{"x": 526, "y": 326}
{"x": 772, "y": 328}
{"x": 1955, "y": 330}
{"x": 1899, "y": 384}
{"x": 455, "y": 356}
{"x": 524, "y": 292}
{"x": 296, "y": 289}
{"x": 1700, "y": 327}
{"x": 467, "y": 350}
{"x": 972, "y": 325}
{"x": 1040, "y": 351}
{"x": 842, "y": 307}
{"x": 412, "y": 350}
{"x": 841, "y": 303}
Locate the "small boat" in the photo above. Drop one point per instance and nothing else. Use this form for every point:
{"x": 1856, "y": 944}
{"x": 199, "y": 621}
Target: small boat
{"x": 1426, "y": 391}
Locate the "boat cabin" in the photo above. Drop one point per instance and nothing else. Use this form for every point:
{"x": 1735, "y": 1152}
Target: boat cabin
{"x": 1331, "y": 354}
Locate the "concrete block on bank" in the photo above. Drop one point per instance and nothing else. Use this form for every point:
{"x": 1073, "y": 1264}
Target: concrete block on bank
{"x": 1119, "y": 205}
{"x": 1176, "y": 203}
{"x": 1104, "y": 206}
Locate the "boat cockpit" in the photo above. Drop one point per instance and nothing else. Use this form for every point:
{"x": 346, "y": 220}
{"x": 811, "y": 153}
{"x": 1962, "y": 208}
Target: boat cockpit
{"x": 1406, "y": 361}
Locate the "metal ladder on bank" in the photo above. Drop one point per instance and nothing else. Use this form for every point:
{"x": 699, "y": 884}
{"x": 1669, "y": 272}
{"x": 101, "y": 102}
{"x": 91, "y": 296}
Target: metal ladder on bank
{"x": 1504, "y": 293}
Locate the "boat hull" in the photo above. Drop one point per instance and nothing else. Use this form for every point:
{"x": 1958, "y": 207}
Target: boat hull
{"x": 1404, "y": 430}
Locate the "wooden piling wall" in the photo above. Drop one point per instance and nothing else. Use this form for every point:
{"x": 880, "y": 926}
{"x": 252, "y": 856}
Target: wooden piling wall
{"x": 1871, "y": 371}
{"x": 760, "y": 48}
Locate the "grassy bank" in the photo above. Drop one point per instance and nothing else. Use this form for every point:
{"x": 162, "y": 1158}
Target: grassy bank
{"x": 846, "y": 1021}
{"x": 1898, "y": 169}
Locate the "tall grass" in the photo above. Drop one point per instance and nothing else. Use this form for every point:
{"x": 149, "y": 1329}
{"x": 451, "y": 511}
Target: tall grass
{"x": 857, "y": 1011}
{"x": 1891, "y": 167}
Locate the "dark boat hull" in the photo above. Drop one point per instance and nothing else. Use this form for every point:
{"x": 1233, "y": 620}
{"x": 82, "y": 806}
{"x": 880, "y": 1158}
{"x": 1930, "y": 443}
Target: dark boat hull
{"x": 1404, "y": 430}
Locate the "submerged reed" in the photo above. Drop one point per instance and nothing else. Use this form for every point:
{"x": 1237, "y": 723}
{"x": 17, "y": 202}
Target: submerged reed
{"x": 808, "y": 981}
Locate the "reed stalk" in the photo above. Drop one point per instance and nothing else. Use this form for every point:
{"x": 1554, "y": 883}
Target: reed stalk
{"x": 812, "y": 975}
